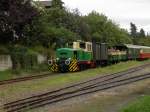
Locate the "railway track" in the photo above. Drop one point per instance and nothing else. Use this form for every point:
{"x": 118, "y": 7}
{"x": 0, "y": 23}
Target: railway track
{"x": 87, "y": 87}
{"x": 10, "y": 81}
{"x": 5, "y": 82}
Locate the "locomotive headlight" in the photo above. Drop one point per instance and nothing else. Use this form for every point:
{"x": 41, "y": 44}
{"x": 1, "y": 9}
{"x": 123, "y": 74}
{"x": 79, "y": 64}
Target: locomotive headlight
{"x": 50, "y": 62}
{"x": 67, "y": 62}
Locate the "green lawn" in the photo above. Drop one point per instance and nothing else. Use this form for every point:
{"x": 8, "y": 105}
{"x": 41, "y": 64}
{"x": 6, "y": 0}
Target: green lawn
{"x": 141, "y": 105}
{"x": 5, "y": 75}
{"x": 9, "y": 74}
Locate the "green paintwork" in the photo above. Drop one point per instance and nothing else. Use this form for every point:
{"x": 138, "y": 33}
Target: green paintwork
{"x": 124, "y": 57}
{"x": 64, "y": 53}
{"x": 70, "y": 53}
{"x": 133, "y": 53}
{"x": 84, "y": 55}
{"x": 117, "y": 57}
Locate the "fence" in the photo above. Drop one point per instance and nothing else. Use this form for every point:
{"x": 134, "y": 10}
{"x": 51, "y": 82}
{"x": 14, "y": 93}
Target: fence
{"x": 6, "y": 63}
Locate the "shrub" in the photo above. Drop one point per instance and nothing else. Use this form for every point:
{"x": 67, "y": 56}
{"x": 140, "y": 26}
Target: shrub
{"x": 4, "y": 50}
{"x": 22, "y": 58}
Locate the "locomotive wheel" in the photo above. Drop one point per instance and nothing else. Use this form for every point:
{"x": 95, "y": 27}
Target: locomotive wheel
{"x": 82, "y": 67}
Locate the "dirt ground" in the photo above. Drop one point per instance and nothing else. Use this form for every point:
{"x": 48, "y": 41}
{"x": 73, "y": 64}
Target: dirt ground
{"x": 111, "y": 100}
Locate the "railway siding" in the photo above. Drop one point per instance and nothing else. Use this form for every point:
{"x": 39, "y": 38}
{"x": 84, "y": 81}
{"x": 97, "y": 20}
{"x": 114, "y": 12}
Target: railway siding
{"x": 31, "y": 88}
{"x": 94, "y": 85}
{"x": 17, "y": 107}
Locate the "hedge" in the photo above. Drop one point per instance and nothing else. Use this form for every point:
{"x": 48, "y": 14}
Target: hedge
{"x": 22, "y": 58}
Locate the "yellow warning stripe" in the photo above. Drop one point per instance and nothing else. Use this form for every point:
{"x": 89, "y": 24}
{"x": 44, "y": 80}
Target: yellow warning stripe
{"x": 74, "y": 61}
{"x": 54, "y": 68}
{"x": 73, "y": 66}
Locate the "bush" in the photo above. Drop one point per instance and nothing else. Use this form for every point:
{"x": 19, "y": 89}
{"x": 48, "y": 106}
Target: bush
{"x": 4, "y": 50}
{"x": 22, "y": 58}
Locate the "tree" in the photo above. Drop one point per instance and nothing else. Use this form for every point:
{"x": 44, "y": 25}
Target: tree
{"x": 49, "y": 30}
{"x": 14, "y": 16}
{"x": 57, "y": 4}
{"x": 133, "y": 30}
{"x": 76, "y": 23}
{"x": 142, "y": 33}
{"x": 104, "y": 30}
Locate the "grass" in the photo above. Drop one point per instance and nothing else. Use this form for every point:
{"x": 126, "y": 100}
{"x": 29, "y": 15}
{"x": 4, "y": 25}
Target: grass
{"x": 5, "y": 75}
{"x": 60, "y": 80}
{"x": 28, "y": 88}
{"x": 141, "y": 105}
{"x": 16, "y": 91}
{"x": 9, "y": 74}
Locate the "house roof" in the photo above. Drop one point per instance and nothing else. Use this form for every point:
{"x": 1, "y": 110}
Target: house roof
{"x": 46, "y": 4}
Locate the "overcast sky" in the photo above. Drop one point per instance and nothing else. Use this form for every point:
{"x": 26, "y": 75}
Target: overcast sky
{"x": 121, "y": 11}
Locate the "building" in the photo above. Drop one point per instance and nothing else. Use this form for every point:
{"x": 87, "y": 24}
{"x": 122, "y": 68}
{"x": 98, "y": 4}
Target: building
{"x": 46, "y": 4}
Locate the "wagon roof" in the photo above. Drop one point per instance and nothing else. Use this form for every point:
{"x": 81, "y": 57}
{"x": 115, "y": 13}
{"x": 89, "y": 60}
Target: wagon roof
{"x": 136, "y": 46}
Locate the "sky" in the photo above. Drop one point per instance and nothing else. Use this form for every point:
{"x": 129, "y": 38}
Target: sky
{"x": 121, "y": 11}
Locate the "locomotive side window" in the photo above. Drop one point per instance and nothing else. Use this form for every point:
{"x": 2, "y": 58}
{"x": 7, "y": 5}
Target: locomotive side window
{"x": 70, "y": 45}
{"x": 82, "y": 45}
{"x": 89, "y": 47}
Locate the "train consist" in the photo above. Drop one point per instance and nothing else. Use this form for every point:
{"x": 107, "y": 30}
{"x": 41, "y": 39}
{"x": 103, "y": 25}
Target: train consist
{"x": 82, "y": 55}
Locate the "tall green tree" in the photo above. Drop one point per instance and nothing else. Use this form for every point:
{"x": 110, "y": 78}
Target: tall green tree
{"x": 49, "y": 29}
{"x": 133, "y": 29}
{"x": 14, "y": 16}
{"x": 76, "y": 23}
{"x": 142, "y": 33}
{"x": 104, "y": 30}
{"x": 57, "y": 4}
